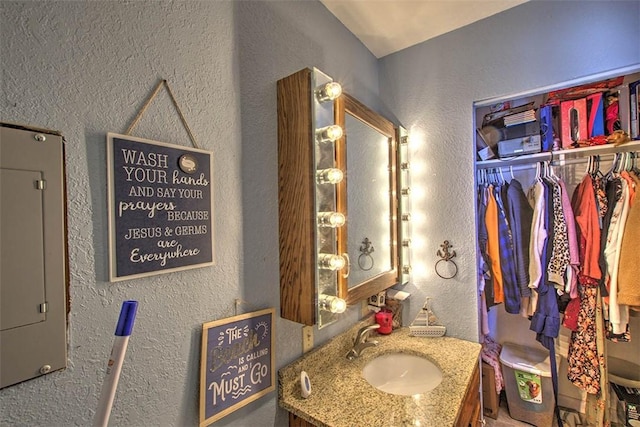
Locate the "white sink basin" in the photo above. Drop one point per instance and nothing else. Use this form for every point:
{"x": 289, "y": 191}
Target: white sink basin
{"x": 404, "y": 374}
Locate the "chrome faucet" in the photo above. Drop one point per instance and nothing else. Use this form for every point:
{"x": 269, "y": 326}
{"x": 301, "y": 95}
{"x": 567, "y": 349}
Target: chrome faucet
{"x": 360, "y": 342}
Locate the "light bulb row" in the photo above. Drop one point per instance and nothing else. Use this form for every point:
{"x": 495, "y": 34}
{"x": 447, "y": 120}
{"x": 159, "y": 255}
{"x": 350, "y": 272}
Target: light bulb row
{"x": 330, "y": 176}
{"x": 405, "y": 192}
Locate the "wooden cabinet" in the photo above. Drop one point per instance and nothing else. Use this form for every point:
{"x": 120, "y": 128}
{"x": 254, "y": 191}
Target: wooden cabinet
{"x": 469, "y": 413}
{"x": 296, "y": 421}
{"x": 296, "y": 184}
{"x": 490, "y": 398}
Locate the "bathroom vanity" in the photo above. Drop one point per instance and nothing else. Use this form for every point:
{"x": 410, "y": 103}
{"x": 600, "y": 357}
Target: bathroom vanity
{"x": 340, "y": 396}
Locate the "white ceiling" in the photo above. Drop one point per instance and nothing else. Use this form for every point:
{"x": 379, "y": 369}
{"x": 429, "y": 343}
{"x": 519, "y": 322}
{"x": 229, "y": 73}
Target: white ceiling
{"x": 387, "y": 26}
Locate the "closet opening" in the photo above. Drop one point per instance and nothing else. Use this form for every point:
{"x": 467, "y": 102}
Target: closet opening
{"x": 556, "y": 218}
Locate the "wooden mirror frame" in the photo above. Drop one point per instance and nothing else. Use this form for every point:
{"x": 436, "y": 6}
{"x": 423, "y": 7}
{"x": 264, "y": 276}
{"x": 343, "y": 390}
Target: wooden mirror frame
{"x": 362, "y": 291}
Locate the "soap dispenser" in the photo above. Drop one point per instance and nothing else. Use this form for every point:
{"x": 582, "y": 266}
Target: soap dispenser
{"x": 384, "y": 318}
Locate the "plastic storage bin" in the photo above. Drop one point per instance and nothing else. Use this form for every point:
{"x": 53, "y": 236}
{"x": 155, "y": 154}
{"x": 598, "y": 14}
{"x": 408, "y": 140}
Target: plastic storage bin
{"x": 527, "y": 378}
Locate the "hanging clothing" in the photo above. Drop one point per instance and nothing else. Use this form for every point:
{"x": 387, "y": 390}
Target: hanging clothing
{"x": 572, "y": 238}
{"x": 629, "y": 268}
{"x": 559, "y": 260}
{"x": 618, "y": 316}
{"x": 539, "y": 235}
{"x": 571, "y": 314}
{"x": 588, "y": 226}
{"x": 484, "y": 315}
{"x": 584, "y": 366}
{"x": 510, "y": 289}
{"x": 484, "y": 262}
{"x": 574, "y": 249}
{"x": 614, "y": 193}
{"x": 493, "y": 244}
{"x": 597, "y": 413}
{"x": 520, "y": 216}
{"x": 485, "y": 280}
{"x": 546, "y": 318}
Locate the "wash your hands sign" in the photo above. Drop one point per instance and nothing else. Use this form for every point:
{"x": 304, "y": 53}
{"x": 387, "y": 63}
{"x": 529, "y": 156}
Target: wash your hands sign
{"x": 160, "y": 207}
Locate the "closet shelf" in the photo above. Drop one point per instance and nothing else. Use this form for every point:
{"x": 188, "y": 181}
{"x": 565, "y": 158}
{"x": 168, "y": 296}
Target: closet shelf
{"x": 560, "y": 155}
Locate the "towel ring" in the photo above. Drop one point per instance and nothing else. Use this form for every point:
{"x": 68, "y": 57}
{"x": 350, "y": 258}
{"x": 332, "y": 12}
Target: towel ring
{"x": 365, "y": 259}
{"x": 365, "y": 262}
{"x": 448, "y": 264}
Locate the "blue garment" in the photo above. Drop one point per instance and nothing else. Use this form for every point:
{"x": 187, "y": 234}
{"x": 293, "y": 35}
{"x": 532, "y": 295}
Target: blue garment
{"x": 507, "y": 265}
{"x": 546, "y": 319}
{"x": 520, "y": 218}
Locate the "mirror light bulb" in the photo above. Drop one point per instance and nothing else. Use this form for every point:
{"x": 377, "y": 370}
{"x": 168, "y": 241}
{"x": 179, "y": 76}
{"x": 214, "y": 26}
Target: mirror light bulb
{"x": 331, "y": 262}
{"x": 329, "y": 92}
{"x": 331, "y": 219}
{"x": 332, "y": 304}
{"x": 329, "y": 133}
{"x": 329, "y": 176}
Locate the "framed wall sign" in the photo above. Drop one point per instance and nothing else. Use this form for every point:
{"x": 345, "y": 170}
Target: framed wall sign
{"x": 237, "y": 363}
{"x": 160, "y": 207}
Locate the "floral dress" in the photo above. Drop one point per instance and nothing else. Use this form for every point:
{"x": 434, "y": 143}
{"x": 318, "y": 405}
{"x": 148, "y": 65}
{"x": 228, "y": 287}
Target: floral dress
{"x": 586, "y": 357}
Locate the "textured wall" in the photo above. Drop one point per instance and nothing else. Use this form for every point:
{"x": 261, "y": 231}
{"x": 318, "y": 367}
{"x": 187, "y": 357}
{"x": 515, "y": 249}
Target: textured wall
{"x": 85, "y": 68}
{"x": 431, "y": 88}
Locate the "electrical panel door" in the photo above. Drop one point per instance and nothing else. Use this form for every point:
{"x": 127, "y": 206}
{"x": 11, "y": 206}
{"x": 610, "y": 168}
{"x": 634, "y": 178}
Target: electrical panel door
{"x": 22, "y": 265}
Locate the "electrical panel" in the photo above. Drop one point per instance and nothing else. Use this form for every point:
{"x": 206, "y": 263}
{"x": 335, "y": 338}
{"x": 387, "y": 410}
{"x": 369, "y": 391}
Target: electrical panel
{"x": 33, "y": 273}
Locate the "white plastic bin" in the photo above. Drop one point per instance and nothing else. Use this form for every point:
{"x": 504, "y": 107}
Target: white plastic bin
{"x": 527, "y": 378}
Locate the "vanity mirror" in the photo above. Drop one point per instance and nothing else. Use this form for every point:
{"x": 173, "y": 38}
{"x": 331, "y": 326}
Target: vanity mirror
{"x": 368, "y": 194}
{"x": 336, "y": 198}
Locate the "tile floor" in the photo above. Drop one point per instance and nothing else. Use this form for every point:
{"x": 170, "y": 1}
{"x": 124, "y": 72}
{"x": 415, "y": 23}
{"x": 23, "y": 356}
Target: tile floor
{"x": 504, "y": 420}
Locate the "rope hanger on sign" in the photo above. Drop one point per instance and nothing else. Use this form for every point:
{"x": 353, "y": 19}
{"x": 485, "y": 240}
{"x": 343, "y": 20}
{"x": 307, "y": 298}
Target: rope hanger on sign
{"x": 159, "y": 86}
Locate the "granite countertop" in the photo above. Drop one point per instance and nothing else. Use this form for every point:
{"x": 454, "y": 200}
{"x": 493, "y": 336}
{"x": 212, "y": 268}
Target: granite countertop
{"x": 340, "y": 396}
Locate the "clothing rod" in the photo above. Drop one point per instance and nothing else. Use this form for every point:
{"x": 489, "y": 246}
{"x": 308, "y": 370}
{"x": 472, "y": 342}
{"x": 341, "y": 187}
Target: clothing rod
{"x": 557, "y": 163}
{"x": 576, "y": 160}
{"x": 558, "y": 157}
